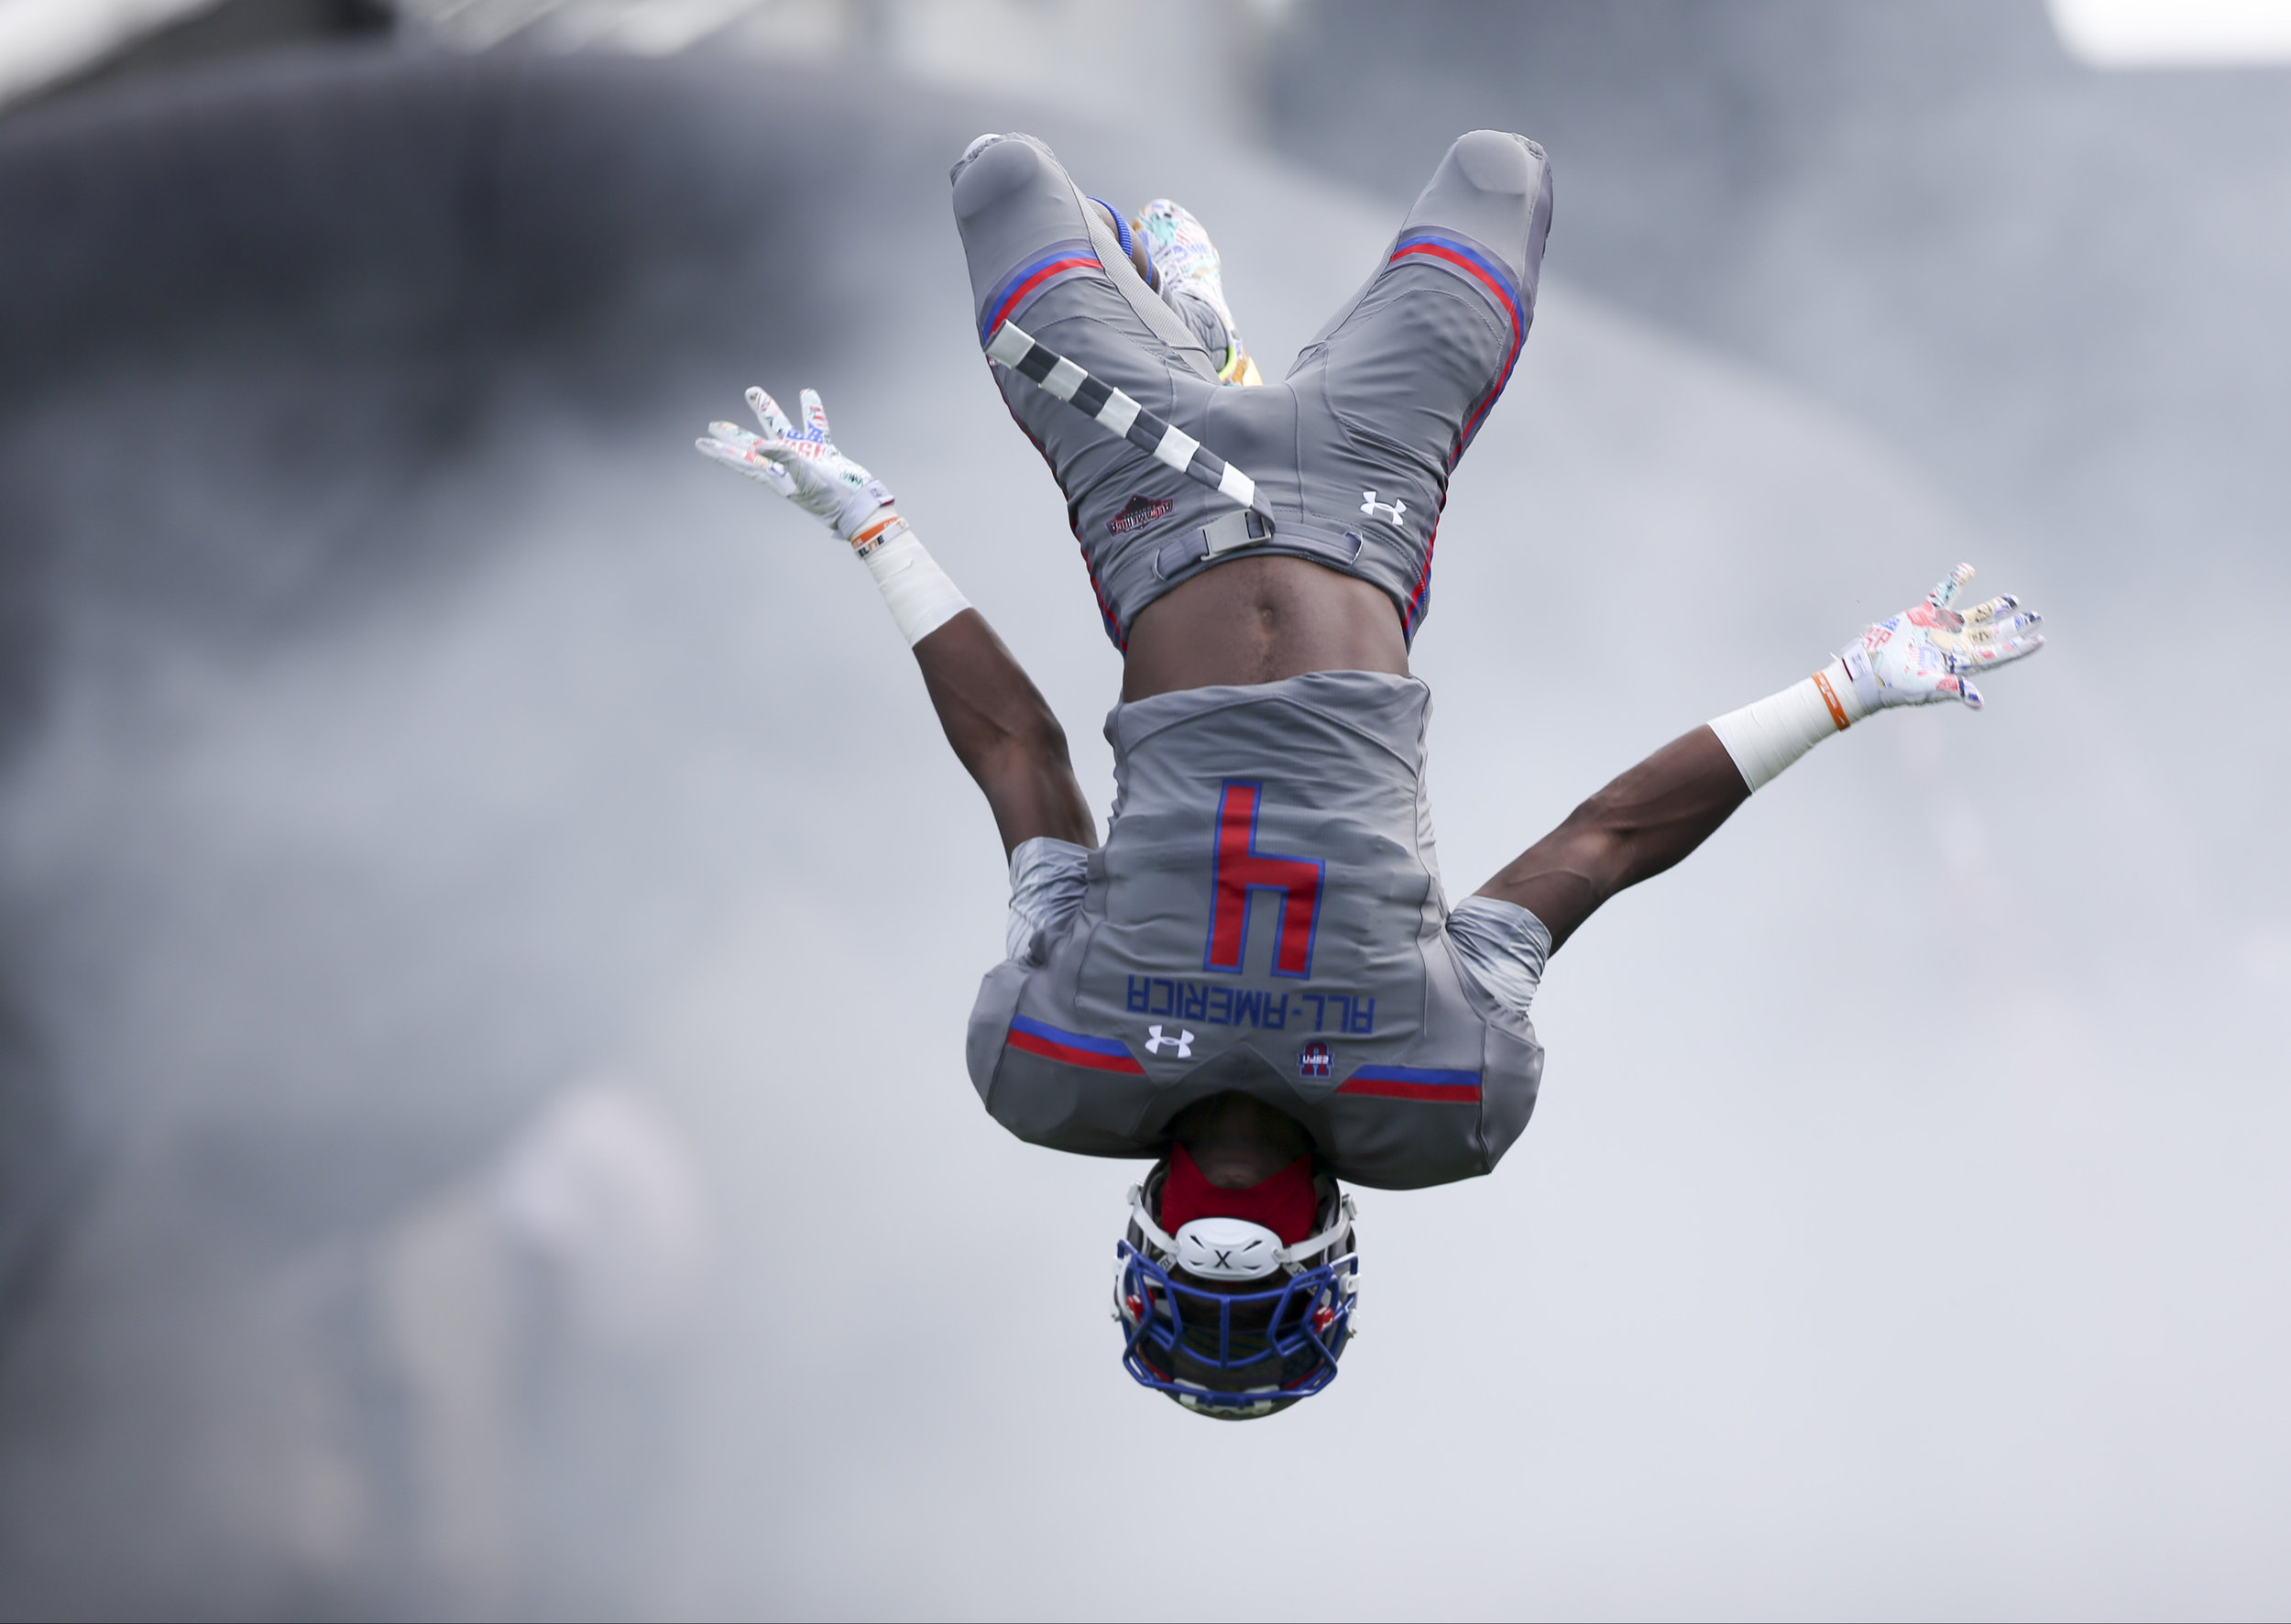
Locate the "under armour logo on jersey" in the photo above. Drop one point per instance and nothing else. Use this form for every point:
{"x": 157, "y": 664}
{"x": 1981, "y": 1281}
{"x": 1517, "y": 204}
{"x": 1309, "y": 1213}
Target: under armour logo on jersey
{"x": 1182, "y": 1042}
{"x": 1372, "y": 506}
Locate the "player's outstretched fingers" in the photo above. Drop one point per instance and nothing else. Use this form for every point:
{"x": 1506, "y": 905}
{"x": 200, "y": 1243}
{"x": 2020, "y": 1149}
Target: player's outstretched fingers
{"x": 1998, "y": 653}
{"x": 2001, "y": 630}
{"x": 742, "y": 451}
{"x": 728, "y": 446}
{"x": 1983, "y": 642}
{"x": 1982, "y": 613}
{"x": 1962, "y": 689}
{"x": 736, "y": 440}
{"x": 815, "y": 417}
{"x": 1941, "y": 594}
{"x": 768, "y": 414}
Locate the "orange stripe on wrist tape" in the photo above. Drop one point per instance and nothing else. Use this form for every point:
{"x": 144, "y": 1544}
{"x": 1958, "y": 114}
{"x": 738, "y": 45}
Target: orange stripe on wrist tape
{"x": 1829, "y": 698}
{"x": 864, "y": 543}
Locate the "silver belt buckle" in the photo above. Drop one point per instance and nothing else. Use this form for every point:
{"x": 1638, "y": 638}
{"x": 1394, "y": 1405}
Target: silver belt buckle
{"x": 1241, "y": 528}
{"x": 1228, "y": 533}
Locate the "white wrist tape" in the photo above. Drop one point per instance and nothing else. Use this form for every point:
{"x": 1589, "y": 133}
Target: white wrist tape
{"x": 917, "y": 592}
{"x": 1766, "y": 737}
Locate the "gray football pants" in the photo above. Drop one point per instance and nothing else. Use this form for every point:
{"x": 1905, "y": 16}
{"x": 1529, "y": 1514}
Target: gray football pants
{"x": 1351, "y": 451}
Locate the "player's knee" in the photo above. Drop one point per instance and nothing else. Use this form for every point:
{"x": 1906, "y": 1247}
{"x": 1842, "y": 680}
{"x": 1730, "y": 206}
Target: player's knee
{"x": 1498, "y": 161}
{"x": 991, "y": 168}
{"x": 1494, "y": 188}
{"x": 978, "y": 144}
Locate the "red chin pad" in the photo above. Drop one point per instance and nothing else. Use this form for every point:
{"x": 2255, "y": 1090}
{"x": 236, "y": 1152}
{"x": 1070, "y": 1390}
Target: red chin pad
{"x": 1285, "y": 1204}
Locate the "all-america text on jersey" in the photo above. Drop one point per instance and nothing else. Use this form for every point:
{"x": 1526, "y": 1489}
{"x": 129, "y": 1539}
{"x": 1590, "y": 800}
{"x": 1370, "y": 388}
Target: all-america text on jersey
{"x": 1354, "y": 1014}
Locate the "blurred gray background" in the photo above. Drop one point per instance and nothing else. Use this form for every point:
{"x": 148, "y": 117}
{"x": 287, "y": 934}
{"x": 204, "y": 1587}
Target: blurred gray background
{"x": 486, "y": 919}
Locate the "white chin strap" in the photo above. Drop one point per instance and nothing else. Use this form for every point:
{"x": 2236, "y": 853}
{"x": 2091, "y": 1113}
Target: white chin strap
{"x": 1233, "y": 1248}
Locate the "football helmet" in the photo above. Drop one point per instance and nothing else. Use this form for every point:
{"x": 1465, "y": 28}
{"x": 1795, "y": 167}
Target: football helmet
{"x": 1224, "y": 1318}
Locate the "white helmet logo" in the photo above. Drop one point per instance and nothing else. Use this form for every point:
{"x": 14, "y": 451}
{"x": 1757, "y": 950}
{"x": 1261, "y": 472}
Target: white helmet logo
{"x": 1227, "y": 1249}
{"x": 1182, "y": 1042}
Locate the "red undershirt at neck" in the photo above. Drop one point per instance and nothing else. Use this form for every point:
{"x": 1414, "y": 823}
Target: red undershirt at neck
{"x": 1285, "y": 1204}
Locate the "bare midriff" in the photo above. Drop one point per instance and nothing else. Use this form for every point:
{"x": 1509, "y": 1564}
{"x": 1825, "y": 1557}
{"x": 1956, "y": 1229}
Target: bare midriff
{"x": 1258, "y": 621}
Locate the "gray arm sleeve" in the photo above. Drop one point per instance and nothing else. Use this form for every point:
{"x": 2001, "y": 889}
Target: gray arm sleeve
{"x": 1503, "y": 947}
{"x": 1047, "y": 879}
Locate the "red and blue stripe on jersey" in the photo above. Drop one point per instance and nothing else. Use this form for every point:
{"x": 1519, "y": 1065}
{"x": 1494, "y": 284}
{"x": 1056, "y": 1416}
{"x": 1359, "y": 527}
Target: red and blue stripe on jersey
{"x": 1058, "y": 260}
{"x": 1414, "y": 1082}
{"x": 1074, "y": 1049}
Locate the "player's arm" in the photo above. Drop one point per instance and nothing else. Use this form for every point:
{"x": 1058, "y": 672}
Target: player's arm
{"x": 1631, "y": 830}
{"x": 1670, "y": 803}
{"x": 1004, "y": 733}
{"x": 1000, "y": 728}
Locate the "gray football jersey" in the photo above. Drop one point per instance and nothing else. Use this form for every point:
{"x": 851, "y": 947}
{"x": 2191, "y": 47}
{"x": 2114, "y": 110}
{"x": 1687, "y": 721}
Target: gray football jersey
{"x": 1264, "y": 916}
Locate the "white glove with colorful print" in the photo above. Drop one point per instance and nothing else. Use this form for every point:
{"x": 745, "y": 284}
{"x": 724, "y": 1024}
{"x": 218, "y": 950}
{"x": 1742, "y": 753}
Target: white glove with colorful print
{"x": 1922, "y": 655}
{"x": 803, "y": 464}
{"x": 1918, "y": 657}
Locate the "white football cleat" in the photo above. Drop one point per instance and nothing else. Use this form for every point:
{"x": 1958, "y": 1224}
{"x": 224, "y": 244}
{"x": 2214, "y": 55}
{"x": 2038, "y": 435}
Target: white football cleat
{"x": 1187, "y": 265}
